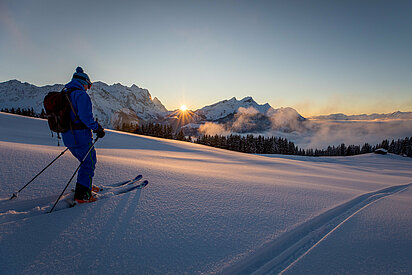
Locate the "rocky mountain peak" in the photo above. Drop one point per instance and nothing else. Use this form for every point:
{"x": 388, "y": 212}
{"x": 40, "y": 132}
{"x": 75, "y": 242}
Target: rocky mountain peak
{"x": 106, "y": 99}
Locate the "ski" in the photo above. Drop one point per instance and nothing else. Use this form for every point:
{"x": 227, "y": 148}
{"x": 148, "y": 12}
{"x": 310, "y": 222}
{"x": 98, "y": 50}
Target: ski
{"x": 125, "y": 189}
{"x": 115, "y": 192}
{"x": 119, "y": 184}
{"x": 134, "y": 187}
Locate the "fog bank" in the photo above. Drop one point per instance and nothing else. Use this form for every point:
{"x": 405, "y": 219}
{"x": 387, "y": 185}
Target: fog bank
{"x": 310, "y": 133}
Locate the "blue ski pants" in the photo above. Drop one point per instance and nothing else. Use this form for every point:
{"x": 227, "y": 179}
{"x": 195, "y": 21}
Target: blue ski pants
{"x": 79, "y": 142}
{"x": 86, "y": 171}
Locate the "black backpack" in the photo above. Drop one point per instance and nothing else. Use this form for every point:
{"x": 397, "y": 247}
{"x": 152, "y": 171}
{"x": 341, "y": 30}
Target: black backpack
{"x": 57, "y": 106}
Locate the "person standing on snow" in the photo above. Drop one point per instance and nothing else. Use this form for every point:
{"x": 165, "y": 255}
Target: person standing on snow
{"x": 79, "y": 138}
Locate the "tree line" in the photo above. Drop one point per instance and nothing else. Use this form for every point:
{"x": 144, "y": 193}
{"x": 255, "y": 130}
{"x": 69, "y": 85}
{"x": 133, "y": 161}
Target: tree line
{"x": 274, "y": 145}
{"x": 278, "y": 145}
{"x": 161, "y": 131}
{"x": 25, "y": 112}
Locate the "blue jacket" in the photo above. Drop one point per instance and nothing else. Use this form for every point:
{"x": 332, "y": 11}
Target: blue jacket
{"x": 82, "y": 105}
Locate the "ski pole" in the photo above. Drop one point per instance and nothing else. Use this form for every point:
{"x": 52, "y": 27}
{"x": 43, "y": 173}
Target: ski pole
{"x": 78, "y": 167}
{"x": 16, "y": 194}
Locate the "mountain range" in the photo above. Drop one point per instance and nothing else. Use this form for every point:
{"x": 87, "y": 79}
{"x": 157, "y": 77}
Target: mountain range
{"x": 116, "y": 106}
{"x": 113, "y": 105}
{"x": 340, "y": 116}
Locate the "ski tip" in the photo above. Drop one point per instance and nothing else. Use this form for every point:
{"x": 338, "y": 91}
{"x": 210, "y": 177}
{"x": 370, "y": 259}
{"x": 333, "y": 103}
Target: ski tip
{"x": 138, "y": 177}
{"x": 144, "y": 183}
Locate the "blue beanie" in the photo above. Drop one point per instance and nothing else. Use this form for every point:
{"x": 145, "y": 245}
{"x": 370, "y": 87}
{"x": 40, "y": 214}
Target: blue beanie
{"x": 82, "y": 77}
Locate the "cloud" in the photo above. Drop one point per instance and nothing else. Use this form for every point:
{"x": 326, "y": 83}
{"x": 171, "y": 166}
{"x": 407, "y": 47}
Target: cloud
{"x": 287, "y": 123}
{"x": 321, "y": 134}
{"x": 244, "y": 120}
{"x": 286, "y": 119}
{"x": 210, "y": 128}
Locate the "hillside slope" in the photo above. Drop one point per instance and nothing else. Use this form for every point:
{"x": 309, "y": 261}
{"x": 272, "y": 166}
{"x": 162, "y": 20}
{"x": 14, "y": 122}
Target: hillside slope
{"x": 205, "y": 210}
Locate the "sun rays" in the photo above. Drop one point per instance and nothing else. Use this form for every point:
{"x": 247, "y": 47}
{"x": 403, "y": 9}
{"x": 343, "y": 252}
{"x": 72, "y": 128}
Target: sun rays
{"x": 182, "y": 116}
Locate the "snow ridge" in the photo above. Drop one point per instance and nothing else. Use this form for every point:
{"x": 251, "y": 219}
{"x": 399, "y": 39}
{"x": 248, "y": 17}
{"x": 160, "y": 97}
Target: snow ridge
{"x": 279, "y": 255}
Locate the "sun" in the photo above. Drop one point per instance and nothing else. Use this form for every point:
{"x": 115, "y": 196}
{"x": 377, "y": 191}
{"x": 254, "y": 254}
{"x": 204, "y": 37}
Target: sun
{"x": 183, "y": 108}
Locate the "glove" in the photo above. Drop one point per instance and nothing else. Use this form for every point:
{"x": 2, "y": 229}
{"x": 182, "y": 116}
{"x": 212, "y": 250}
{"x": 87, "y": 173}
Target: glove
{"x": 99, "y": 132}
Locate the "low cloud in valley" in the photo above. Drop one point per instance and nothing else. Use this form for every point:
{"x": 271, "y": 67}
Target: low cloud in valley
{"x": 310, "y": 133}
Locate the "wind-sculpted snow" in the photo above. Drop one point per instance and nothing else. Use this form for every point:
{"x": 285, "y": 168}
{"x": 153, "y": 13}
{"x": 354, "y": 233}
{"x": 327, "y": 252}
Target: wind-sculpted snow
{"x": 205, "y": 209}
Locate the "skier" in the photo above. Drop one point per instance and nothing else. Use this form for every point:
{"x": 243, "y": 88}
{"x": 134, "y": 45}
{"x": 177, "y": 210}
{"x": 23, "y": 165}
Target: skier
{"x": 79, "y": 138}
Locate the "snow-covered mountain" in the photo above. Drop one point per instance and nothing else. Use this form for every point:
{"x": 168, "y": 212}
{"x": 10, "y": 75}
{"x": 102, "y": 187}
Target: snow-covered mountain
{"x": 108, "y": 100}
{"x": 229, "y": 107}
{"x": 15, "y": 94}
{"x": 116, "y": 105}
{"x": 245, "y": 116}
{"x": 340, "y": 116}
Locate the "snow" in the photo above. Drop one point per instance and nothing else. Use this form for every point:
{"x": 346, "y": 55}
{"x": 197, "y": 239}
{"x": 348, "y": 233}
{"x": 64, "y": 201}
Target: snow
{"x": 377, "y": 240}
{"x": 205, "y": 210}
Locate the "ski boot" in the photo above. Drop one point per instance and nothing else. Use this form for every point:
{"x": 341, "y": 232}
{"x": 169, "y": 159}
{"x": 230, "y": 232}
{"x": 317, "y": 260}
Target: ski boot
{"x": 82, "y": 194}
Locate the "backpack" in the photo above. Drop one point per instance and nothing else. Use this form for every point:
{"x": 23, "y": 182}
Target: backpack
{"x": 57, "y": 106}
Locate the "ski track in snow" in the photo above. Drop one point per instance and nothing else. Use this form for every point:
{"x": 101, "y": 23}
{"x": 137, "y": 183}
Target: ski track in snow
{"x": 278, "y": 256}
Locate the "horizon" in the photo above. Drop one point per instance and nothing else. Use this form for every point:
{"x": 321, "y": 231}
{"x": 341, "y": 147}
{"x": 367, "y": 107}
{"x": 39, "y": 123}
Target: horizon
{"x": 238, "y": 99}
{"x": 319, "y": 58}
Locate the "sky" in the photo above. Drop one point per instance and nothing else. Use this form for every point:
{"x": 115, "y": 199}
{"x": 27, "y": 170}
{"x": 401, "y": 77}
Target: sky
{"x": 319, "y": 57}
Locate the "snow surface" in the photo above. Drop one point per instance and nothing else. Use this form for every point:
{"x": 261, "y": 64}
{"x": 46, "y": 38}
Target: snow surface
{"x": 205, "y": 210}
{"x": 377, "y": 240}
